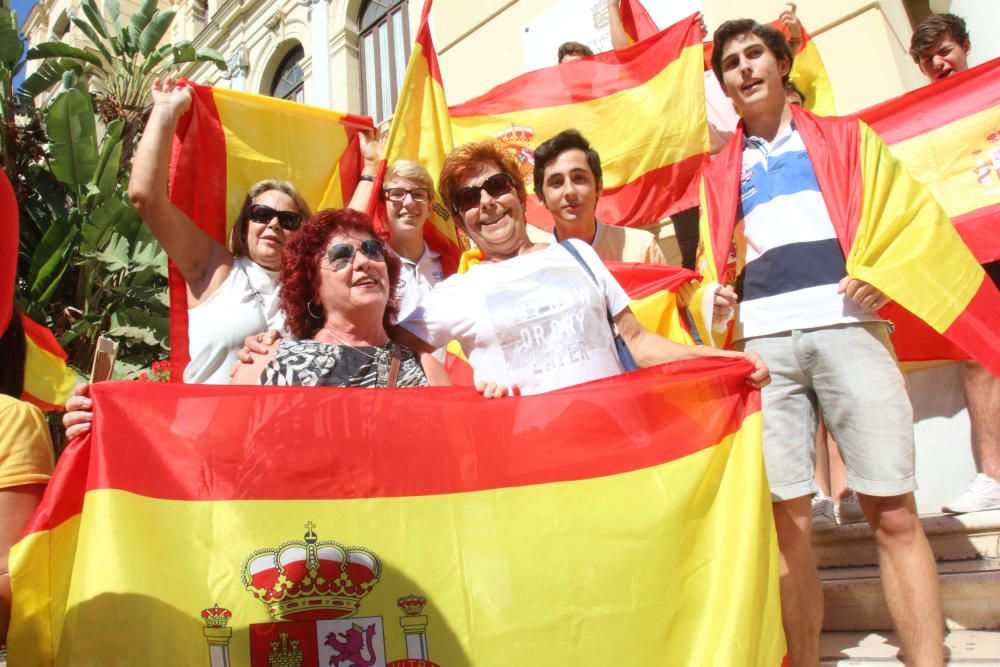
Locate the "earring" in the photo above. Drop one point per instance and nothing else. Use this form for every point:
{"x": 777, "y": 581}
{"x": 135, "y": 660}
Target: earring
{"x": 313, "y": 315}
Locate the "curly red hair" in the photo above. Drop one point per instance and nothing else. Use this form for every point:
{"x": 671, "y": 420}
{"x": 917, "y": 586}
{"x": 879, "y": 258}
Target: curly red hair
{"x": 300, "y": 268}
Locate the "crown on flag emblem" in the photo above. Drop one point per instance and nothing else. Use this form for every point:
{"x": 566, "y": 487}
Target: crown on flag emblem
{"x": 515, "y": 140}
{"x": 412, "y": 605}
{"x": 310, "y": 579}
{"x": 216, "y": 617}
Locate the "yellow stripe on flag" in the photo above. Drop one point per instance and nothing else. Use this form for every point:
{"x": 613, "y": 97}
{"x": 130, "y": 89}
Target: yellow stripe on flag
{"x": 47, "y": 378}
{"x": 649, "y": 139}
{"x": 949, "y": 160}
{"x": 659, "y": 313}
{"x": 272, "y": 138}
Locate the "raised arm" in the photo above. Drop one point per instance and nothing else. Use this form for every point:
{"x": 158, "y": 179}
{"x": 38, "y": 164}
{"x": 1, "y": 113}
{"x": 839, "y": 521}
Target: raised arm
{"x": 372, "y": 151}
{"x": 619, "y": 38}
{"x": 197, "y": 256}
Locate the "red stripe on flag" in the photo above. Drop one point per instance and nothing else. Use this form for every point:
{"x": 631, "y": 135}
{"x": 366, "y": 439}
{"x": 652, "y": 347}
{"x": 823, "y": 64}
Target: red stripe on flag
{"x": 976, "y": 328}
{"x": 636, "y": 20}
{"x": 642, "y": 280}
{"x": 915, "y": 340}
{"x": 426, "y": 42}
{"x": 211, "y": 440}
{"x": 351, "y": 164}
{"x": 980, "y": 229}
{"x": 656, "y": 194}
{"x": 199, "y": 148}
{"x": 585, "y": 80}
{"x": 928, "y": 108}
{"x": 42, "y": 337}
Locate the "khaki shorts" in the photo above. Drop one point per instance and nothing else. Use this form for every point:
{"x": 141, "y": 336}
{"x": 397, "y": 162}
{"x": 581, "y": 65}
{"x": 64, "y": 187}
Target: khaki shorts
{"x": 850, "y": 372}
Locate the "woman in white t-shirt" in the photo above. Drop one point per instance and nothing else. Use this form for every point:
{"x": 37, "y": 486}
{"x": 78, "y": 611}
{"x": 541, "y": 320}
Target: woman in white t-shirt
{"x": 528, "y": 315}
{"x": 231, "y": 292}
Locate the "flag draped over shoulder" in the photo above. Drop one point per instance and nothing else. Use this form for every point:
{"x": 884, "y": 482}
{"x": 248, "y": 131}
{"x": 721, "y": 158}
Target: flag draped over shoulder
{"x": 421, "y": 131}
{"x": 948, "y": 136}
{"x": 642, "y": 108}
{"x": 234, "y": 525}
{"x": 229, "y": 141}
{"x": 893, "y": 233}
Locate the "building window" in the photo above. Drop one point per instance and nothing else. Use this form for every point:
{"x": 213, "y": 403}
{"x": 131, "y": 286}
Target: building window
{"x": 288, "y": 80}
{"x": 385, "y": 47}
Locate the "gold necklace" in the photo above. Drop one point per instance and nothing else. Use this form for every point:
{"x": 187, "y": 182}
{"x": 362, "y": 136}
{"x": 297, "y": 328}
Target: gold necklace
{"x": 343, "y": 342}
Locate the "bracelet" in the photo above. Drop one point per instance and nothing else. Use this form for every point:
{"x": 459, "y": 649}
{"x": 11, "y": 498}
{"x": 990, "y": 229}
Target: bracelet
{"x": 366, "y": 177}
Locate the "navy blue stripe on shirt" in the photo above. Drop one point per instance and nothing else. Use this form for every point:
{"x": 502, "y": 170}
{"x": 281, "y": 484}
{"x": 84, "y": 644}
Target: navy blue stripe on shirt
{"x": 785, "y": 174}
{"x": 793, "y": 267}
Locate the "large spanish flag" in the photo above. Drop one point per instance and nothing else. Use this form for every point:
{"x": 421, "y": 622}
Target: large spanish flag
{"x": 642, "y": 108}
{"x": 421, "y": 131}
{"x": 621, "y": 522}
{"x": 230, "y": 140}
{"x": 948, "y": 136}
{"x": 893, "y": 233}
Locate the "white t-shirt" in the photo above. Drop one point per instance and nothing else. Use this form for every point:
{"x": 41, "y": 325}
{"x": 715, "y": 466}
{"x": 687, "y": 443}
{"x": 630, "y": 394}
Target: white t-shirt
{"x": 246, "y": 303}
{"x": 537, "y": 321}
{"x": 416, "y": 279}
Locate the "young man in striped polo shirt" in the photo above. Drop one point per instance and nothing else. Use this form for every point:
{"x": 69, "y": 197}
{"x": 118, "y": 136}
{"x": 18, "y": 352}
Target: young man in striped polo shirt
{"x": 820, "y": 333}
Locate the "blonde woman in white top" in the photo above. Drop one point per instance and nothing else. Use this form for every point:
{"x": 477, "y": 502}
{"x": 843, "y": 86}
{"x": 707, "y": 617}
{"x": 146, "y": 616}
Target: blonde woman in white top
{"x": 231, "y": 292}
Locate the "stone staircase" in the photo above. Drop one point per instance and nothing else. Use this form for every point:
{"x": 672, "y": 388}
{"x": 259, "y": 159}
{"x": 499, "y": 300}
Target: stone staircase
{"x": 857, "y": 627}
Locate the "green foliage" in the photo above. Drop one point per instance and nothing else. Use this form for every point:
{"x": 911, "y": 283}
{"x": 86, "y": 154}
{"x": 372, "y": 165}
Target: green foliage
{"x": 86, "y": 263}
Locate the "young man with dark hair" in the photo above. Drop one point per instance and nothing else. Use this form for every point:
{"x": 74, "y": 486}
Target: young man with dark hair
{"x": 940, "y": 47}
{"x": 570, "y": 51}
{"x": 773, "y": 226}
{"x": 568, "y": 181}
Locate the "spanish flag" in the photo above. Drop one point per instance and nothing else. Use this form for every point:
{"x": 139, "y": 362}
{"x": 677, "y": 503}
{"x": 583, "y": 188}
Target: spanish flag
{"x": 621, "y": 522}
{"x": 893, "y": 233}
{"x": 619, "y": 100}
{"x": 421, "y": 131}
{"x": 230, "y": 140}
{"x": 48, "y": 381}
{"x": 948, "y": 136}
{"x": 808, "y": 71}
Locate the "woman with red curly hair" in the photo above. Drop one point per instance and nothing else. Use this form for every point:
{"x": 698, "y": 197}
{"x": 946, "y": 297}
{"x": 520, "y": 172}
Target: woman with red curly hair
{"x": 339, "y": 295}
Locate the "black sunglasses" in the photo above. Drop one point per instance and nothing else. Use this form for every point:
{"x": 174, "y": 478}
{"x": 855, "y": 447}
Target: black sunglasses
{"x": 495, "y": 185}
{"x": 342, "y": 254}
{"x": 262, "y": 214}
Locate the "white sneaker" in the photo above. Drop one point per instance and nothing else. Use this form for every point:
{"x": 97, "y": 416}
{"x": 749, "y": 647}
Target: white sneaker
{"x": 849, "y": 510}
{"x": 822, "y": 510}
{"x": 983, "y": 494}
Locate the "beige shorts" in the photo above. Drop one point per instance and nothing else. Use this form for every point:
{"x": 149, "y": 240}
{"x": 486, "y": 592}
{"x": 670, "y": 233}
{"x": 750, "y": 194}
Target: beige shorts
{"x": 850, "y": 372}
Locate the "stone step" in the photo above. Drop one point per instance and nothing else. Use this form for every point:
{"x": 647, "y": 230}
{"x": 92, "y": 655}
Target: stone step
{"x": 952, "y": 537}
{"x": 849, "y": 649}
{"x": 970, "y": 594}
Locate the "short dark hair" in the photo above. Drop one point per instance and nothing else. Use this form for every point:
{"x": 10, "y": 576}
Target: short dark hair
{"x": 574, "y": 49}
{"x": 549, "y": 150}
{"x": 933, "y": 29}
{"x": 773, "y": 39}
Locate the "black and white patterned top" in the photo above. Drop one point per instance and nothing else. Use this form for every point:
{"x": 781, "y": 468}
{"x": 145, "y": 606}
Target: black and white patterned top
{"x": 309, "y": 363}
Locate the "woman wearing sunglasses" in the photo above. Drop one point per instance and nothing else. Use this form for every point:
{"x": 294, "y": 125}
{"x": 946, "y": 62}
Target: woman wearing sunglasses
{"x": 231, "y": 292}
{"x": 530, "y": 315}
{"x": 338, "y": 296}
